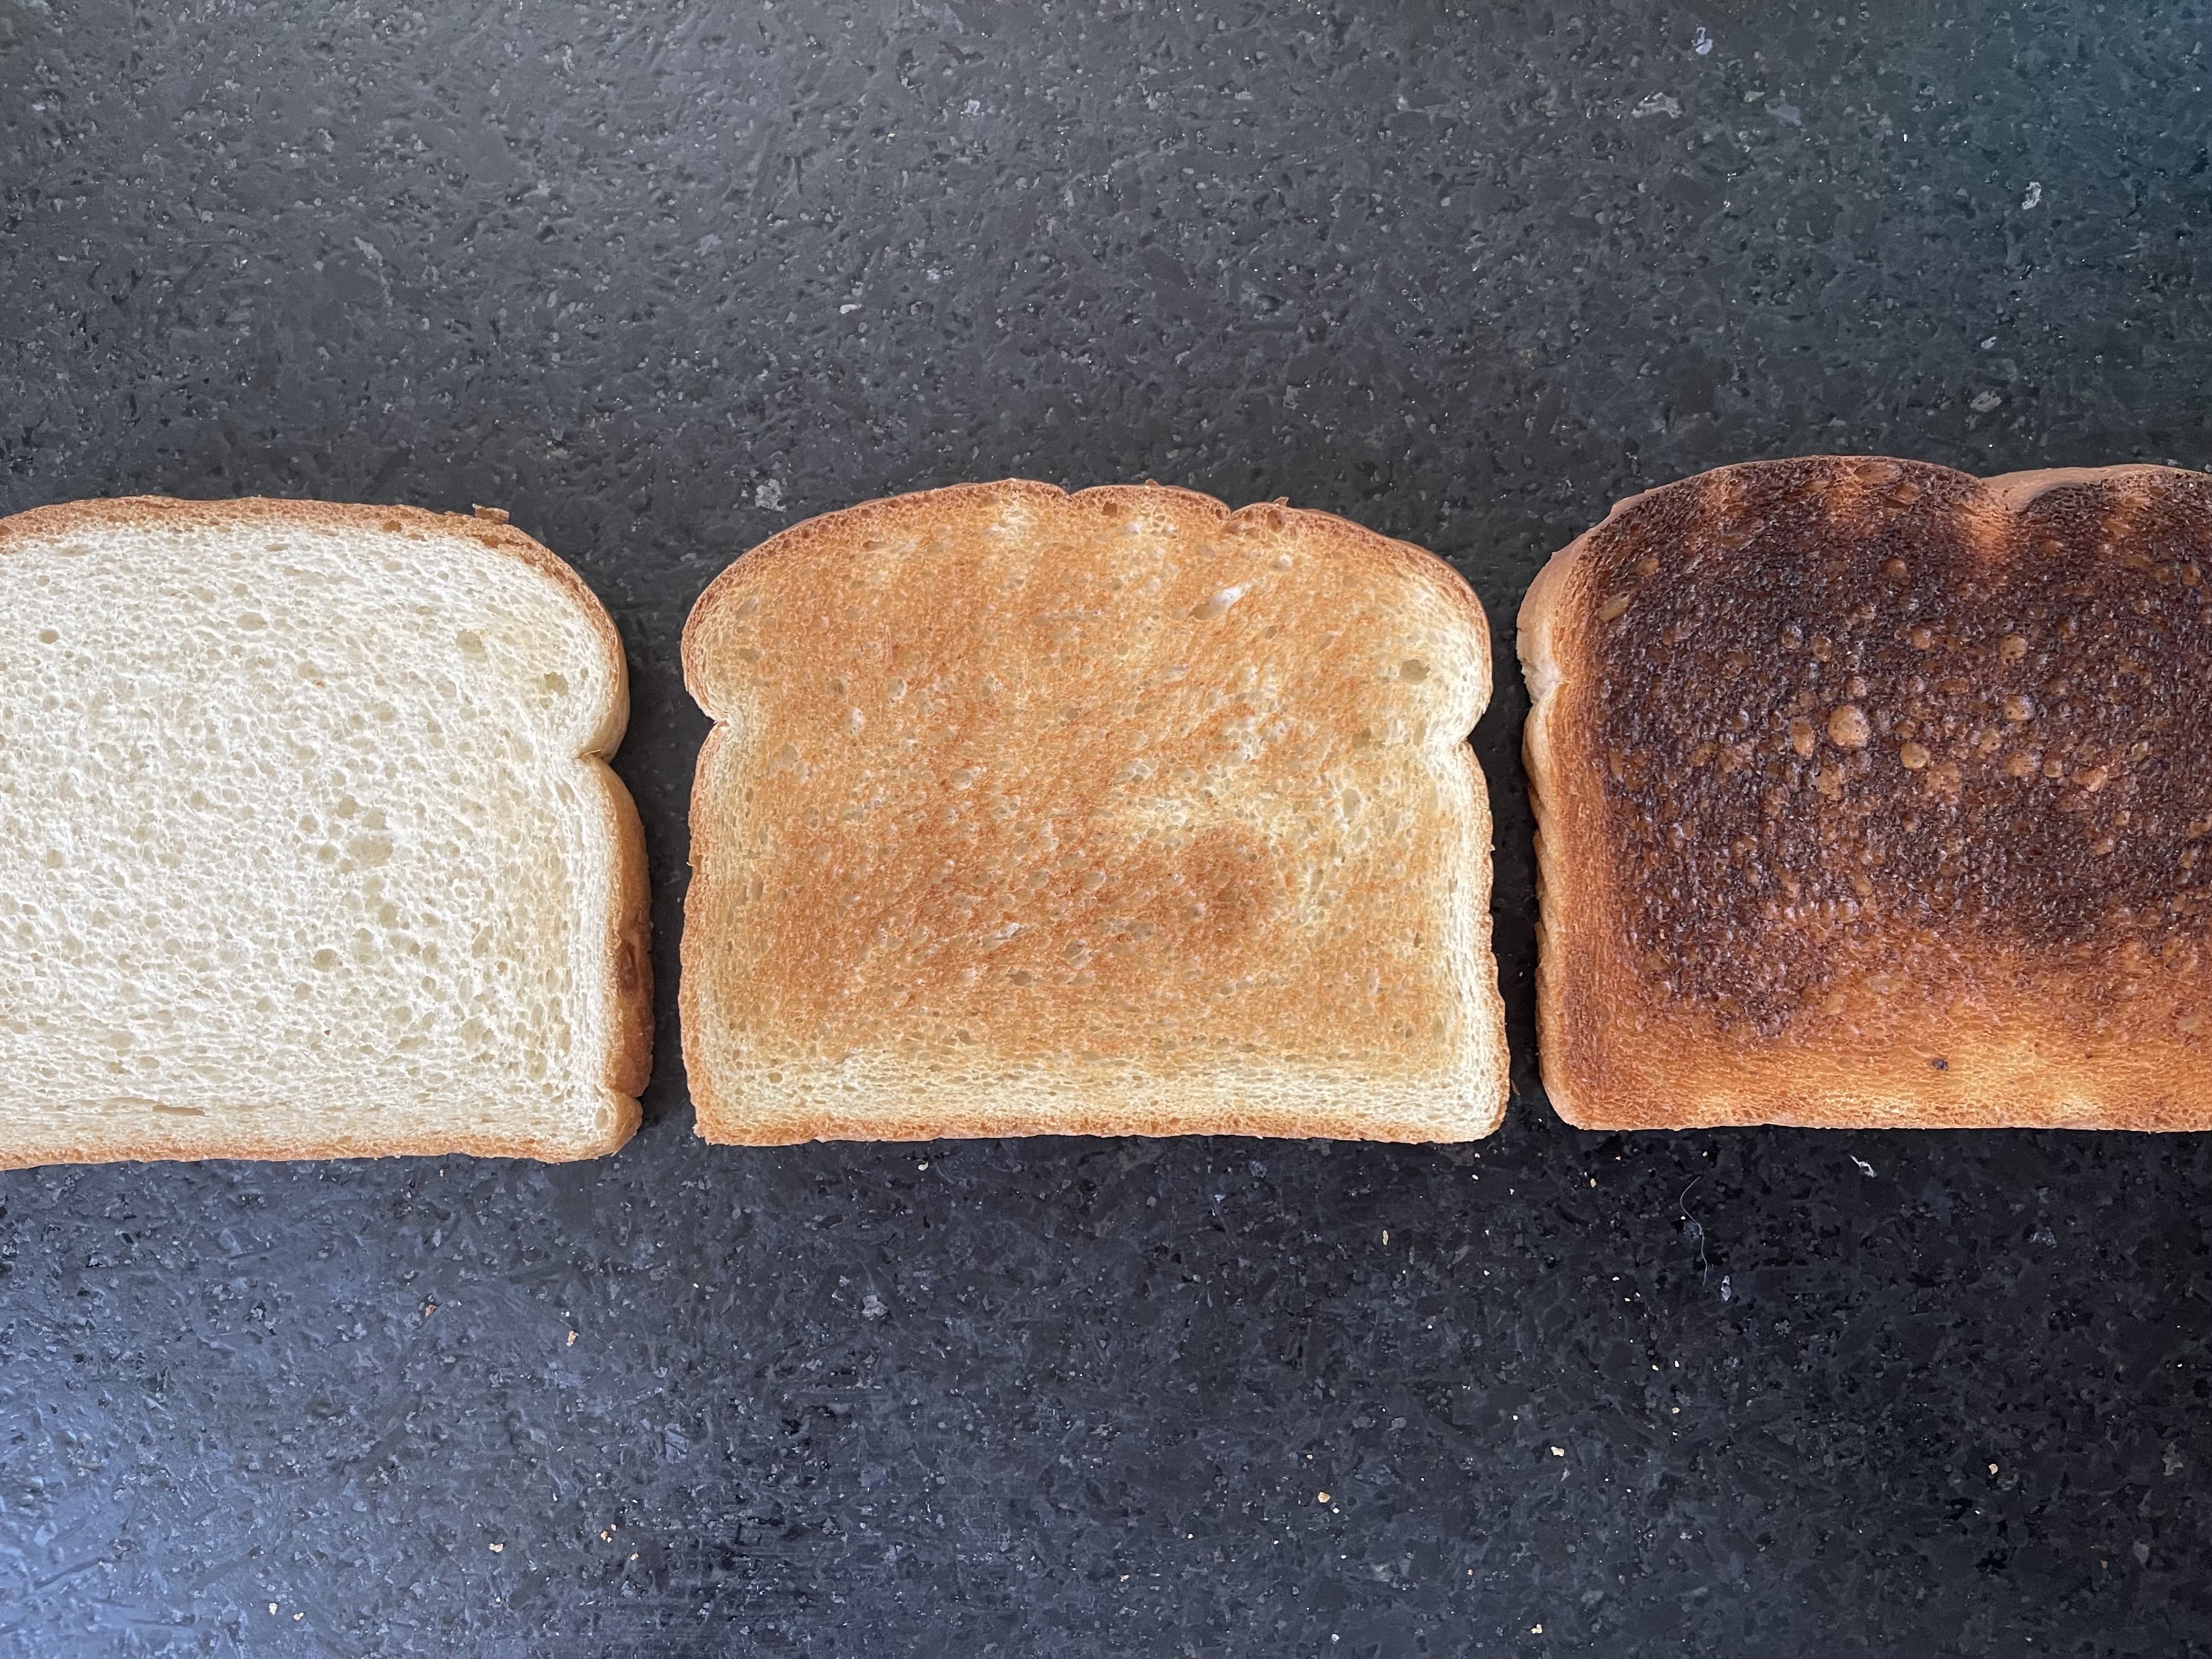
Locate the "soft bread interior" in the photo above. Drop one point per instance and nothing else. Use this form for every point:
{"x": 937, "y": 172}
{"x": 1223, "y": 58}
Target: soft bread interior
{"x": 301, "y": 849}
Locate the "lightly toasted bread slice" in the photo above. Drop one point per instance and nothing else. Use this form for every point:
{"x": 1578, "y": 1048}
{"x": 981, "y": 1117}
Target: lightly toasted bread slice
{"x": 1108, "y": 813}
{"x": 1871, "y": 795}
{"x": 309, "y": 849}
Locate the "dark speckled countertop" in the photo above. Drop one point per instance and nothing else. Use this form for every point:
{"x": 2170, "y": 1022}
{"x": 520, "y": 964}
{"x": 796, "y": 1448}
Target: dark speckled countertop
{"x": 663, "y": 279}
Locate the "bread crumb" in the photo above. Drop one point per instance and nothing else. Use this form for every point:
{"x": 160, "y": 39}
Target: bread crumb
{"x": 1319, "y": 1498}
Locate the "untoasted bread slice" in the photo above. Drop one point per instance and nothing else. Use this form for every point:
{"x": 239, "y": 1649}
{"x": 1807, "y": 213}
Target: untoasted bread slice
{"x": 1116, "y": 812}
{"x": 1869, "y": 793}
{"x": 307, "y": 847}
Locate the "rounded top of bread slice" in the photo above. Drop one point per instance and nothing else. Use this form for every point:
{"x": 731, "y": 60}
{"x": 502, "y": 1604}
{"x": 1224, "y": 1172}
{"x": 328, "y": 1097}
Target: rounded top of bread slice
{"x": 1023, "y": 508}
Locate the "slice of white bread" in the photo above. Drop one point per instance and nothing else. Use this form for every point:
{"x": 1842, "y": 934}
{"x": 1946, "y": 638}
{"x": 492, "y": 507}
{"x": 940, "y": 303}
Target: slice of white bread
{"x": 307, "y": 847}
{"x": 1108, "y": 813}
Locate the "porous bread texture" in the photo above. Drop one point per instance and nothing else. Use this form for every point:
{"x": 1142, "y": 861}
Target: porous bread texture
{"x": 307, "y": 847}
{"x": 1108, "y": 813}
{"x": 2049, "y": 974}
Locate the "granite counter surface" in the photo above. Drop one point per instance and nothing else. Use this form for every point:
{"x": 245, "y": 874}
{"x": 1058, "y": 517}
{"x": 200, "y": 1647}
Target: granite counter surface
{"x": 660, "y": 280}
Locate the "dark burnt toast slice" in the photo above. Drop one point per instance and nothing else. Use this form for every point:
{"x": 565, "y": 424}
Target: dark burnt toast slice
{"x": 1869, "y": 793}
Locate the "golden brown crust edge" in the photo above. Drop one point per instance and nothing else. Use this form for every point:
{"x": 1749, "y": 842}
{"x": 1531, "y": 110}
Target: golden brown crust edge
{"x": 1536, "y": 627}
{"x": 629, "y": 959}
{"x": 709, "y": 1109}
{"x": 720, "y": 1124}
{"x": 849, "y": 522}
{"x": 1486, "y": 991}
{"x": 629, "y": 955}
{"x": 1540, "y": 670}
{"x": 800, "y": 1129}
{"x": 2020, "y": 1080}
{"x": 138, "y": 1147}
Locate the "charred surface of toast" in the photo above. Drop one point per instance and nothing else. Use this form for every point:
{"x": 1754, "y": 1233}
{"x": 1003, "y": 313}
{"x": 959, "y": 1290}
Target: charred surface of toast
{"x": 1861, "y": 702}
{"x": 1857, "y": 708}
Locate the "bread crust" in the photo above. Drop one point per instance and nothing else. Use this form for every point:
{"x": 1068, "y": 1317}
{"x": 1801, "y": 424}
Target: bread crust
{"x": 1945, "y": 910}
{"x": 626, "y": 962}
{"x": 629, "y": 955}
{"x": 874, "y": 1094}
